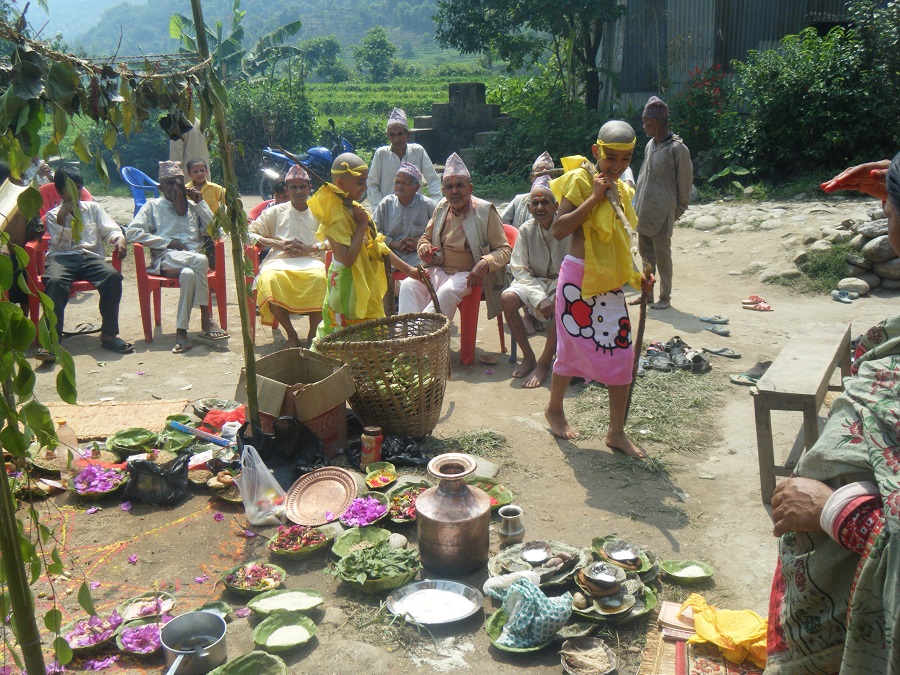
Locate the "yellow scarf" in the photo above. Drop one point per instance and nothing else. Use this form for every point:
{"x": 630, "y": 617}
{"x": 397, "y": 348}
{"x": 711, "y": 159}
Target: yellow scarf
{"x": 607, "y": 246}
{"x": 336, "y": 221}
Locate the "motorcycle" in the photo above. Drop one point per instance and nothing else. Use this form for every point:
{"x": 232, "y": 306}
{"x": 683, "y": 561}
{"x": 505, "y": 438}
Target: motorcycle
{"x": 317, "y": 161}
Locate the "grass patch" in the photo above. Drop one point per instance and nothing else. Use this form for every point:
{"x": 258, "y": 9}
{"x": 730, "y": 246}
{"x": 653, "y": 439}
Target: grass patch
{"x": 670, "y": 410}
{"x": 820, "y": 273}
{"x": 484, "y": 443}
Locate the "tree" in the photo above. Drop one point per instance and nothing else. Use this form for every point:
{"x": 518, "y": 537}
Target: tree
{"x": 522, "y": 33}
{"x": 322, "y": 55}
{"x": 375, "y": 53}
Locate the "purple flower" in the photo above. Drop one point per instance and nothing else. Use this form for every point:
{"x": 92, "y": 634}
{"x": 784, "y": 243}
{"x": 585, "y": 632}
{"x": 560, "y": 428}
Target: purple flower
{"x": 54, "y": 668}
{"x": 92, "y": 631}
{"x": 144, "y": 639}
{"x": 6, "y": 670}
{"x": 95, "y": 480}
{"x": 243, "y": 612}
{"x": 488, "y": 371}
{"x": 329, "y": 515}
{"x": 218, "y": 516}
{"x": 141, "y": 372}
{"x": 126, "y": 506}
{"x": 91, "y": 511}
{"x": 363, "y": 511}
{"x": 249, "y": 534}
{"x": 101, "y": 664}
{"x": 132, "y": 559}
{"x": 94, "y": 584}
{"x": 201, "y": 579}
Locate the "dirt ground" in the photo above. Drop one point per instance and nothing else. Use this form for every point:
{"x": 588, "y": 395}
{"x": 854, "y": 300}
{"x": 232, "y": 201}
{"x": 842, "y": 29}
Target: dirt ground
{"x": 570, "y": 492}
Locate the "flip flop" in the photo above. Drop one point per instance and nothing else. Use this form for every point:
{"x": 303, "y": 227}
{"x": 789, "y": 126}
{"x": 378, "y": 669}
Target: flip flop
{"x": 217, "y": 334}
{"x": 751, "y": 376}
{"x": 759, "y": 307}
{"x": 841, "y": 296}
{"x": 718, "y": 330}
{"x": 719, "y": 320}
{"x": 727, "y": 352}
{"x": 118, "y": 345}
{"x": 753, "y": 300}
{"x": 744, "y": 379}
{"x": 45, "y": 356}
{"x": 182, "y": 346}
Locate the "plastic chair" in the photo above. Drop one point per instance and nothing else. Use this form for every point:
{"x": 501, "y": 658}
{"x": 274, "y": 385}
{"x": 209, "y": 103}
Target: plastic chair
{"x": 150, "y": 285}
{"x": 141, "y": 184}
{"x": 34, "y": 272}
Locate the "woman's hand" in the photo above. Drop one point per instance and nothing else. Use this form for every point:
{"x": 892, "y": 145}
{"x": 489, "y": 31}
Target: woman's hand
{"x": 797, "y": 505}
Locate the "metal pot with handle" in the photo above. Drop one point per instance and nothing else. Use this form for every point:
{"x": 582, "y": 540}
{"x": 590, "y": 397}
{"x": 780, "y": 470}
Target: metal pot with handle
{"x": 194, "y": 643}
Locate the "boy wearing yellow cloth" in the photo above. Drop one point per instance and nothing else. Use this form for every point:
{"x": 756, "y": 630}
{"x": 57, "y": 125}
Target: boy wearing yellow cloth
{"x": 356, "y": 280}
{"x": 592, "y": 325}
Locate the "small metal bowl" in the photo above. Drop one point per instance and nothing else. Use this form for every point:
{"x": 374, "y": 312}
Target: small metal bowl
{"x": 536, "y": 552}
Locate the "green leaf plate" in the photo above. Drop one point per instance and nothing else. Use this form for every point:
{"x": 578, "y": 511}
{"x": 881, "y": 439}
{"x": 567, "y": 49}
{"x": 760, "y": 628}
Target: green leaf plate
{"x": 251, "y": 591}
{"x": 291, "y": 600}
{"x": 136, "y": 624}
{"x": 129, "y": 609}
{"x": 675, "y": 569}
{"x": 374, "y": 535}
{"x": 254, "y": 663}
{"x": 494, "y": 627}
{"x": 597, "y": 545}
{"x": 264, "y": 631}
{"x": 301, "y": 552}
{"x": 499, "y": 493}
{"x": 403, "y": 488}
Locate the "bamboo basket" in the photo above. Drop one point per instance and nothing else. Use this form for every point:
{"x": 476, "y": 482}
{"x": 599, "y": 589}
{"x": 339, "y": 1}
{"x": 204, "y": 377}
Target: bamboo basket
{"x": 400, "y": 366}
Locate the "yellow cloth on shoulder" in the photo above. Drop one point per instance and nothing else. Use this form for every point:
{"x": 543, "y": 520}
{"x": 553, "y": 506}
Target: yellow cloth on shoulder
{"x": 336, "y": 221}
{"x": 607, "y": 245}
{"x": 739, "y": 634}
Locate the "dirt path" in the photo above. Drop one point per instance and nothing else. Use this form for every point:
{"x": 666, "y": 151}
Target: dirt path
{"x": 569, "y": 491}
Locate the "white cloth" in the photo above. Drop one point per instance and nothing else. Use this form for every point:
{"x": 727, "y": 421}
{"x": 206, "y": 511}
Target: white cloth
{"x": 396, "y": 221}
{"x": 157, "y": 224}
{"x": 535, "y": 263}
{"x": 97, "y": 227}
{"x": 190, "y": 267}
{"x": 839, "y": 499}
{"x": 449, "y": 288}
{"x": 283, "y": 221}
{"x": 384, "y": 167}
{"x": 191, "y": 145}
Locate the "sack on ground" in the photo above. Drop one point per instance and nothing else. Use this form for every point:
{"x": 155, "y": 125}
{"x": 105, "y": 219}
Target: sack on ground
{"x": 157, "y": 484}
{"x": 290, "y": 452}
{"x": 262, "y": 495}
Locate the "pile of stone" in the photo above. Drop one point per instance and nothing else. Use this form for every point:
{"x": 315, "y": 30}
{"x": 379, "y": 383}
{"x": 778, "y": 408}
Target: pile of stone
{"x": 872, "y": 263}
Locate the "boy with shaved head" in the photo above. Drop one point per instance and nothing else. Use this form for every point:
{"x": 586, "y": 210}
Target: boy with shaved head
{"x": 592, "y": 325}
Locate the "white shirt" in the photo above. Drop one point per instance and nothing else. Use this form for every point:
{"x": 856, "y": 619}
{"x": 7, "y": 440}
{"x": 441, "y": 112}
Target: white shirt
{"x": 97, "y": 227}
{"x": 283, "y": 221}
{"x": 396, "y": 221}
{"x": 384, "y": 167}
{"x": 157, "y": 224}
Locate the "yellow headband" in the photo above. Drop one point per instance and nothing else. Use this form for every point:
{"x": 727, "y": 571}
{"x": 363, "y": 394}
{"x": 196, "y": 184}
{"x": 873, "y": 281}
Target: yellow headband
{"x": 612, "y": 146}
{"x": 355, "y": 171}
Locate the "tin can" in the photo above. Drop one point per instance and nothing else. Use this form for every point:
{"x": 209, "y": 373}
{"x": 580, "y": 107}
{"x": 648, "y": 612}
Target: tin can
{"x": 371, "y": 446}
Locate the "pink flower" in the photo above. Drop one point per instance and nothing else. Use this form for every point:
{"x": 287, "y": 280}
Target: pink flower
{"x": 141, "y": 372}
{"x": 249, "y": 534}
{"x": 489, "y": 371}
{"x": 201, "y": 579}
{"x": 132, "y": 559}
{"x": 100, "y": 664}
{"x": 125, "y": 506}
{"x": 218, "y": 516}
{"x": 94, "y": 585}
{"x": 243, "y": 612}
{"x": 91, "y": 511}
{"x": 329, "y": 515}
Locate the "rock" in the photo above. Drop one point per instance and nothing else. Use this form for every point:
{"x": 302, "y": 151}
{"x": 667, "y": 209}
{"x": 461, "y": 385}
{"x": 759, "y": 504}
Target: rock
{"x": 872, "y": 279}
{"x": 890, "y": 284}
{"x": 859, "y": 241}
{"x": 879, "y": 249}
{"x": 397, "y": 540}
{"x": 836, "y": 236}
{"x": 890, "y": 269}
{"x": 486, "y": 468}
{"x": 802, "y": 197}
{"x": 771, "y": 224}
{"x": 800, "y": 257}
{"x": 695, "y": 194}
{"x": 876, "y": 228}
{"x": 810, "y": 234}
{"x": 854, "y": 270}
{"x": 749, "y": 191}
{"x": 820, "y": 246}
{"x": 706, "y": 223}
{"x": 789, "y": 243}
{"x": 854, "y": 284}
{"x": 858, "y": 260}
{"x": 755, "y": 267}
{"x": 784, "y": 273}
{"x": 845, "y": 225}
{"x": 877, "y": 214}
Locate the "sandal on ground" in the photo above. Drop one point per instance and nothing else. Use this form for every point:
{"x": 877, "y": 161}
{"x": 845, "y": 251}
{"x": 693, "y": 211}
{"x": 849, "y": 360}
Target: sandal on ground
{"x": 117, "y": 345}
{"x": 681, "y": 361}
{"x": 718, "y": 320}
{"x": 744, "y": 379}
{"x": 843, "y": 296}
{"x": 727, "y": 352}
{"x": 82, "y": 329}
{"x": 182, "y": 346}
{"x": 759, "y": 307}
{"x": 753, "y": 300}
{"x": 677, "y": 343}
{"x": 45, "y": 356}
{"x": 751, "y": 376}
{"x": 718, "y": 330}
{"x": 661, "y": 362}
{"x": 214, "y": 334}
{"x": 700, "y": 364}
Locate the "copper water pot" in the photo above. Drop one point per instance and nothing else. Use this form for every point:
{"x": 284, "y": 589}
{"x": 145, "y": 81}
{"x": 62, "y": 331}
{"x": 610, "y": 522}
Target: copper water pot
{"x": 453, "y": 518}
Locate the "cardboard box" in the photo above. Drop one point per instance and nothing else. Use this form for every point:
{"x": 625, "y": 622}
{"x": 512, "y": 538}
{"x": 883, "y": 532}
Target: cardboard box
{"x": 306, "y": 385}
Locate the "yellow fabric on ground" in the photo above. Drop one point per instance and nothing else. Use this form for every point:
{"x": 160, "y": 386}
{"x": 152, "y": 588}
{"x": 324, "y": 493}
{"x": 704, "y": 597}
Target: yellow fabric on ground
{"x": 336, "y": 221}
{"x": 739, "y": 634}
{"x": 299, "y": 292}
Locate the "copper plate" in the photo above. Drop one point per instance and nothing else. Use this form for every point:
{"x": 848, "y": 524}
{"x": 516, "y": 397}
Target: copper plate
{"x": 323, "y": 490}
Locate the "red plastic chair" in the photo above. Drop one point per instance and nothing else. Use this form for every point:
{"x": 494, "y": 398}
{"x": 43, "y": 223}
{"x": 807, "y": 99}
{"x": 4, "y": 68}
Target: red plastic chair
{"x": 469, "y": 309}
{"x": 152, "y": 285}
{"x": 37, "y": 251}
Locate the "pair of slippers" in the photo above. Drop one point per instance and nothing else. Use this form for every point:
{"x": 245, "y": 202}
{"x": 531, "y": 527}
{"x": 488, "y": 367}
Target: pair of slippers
{"x": 845, "y": 297}
{"x": 696, "y": 362}
{"x": 756, "y": 303}
{"x": 751, "y": 376}
{"x": 718, "y": 330}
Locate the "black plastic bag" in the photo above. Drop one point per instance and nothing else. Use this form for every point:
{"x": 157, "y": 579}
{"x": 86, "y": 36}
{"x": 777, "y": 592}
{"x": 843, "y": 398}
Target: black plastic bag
{"x": 396, "y": 450}
{"x": 158, "y": 484}
{"x": 290, "y": 452}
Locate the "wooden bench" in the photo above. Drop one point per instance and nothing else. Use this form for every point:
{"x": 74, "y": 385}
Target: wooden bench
{"x": 798, "y": 380}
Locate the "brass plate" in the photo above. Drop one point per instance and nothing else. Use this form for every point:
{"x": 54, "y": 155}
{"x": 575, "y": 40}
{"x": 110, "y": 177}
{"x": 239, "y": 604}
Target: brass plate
{"x": 324, "y": 490}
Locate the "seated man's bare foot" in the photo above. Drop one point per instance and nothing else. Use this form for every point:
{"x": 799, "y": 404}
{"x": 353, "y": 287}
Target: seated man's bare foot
{"x": 529, "y": 323}
{"x": 623, "y": 444}
{"x": 537, "y": 377}
{"x": 524, "y": 368}
{"x": 559, "y": 426}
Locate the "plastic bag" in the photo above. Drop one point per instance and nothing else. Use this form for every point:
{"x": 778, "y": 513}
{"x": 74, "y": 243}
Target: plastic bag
{"x": 394, "y": 449}
{"x": 293, "y": 450}
{"x": 262, "y": 495}
{"x": 157, "y": 484}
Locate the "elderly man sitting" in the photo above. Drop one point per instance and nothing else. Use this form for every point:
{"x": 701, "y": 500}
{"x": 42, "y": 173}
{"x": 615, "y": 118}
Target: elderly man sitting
{"x": 402, "y": 216}
{"x": 292, "y": 277}
{"x": 466, "y": 246}
{"x": 172, "y": 226}
{"x": 76, "y": 253}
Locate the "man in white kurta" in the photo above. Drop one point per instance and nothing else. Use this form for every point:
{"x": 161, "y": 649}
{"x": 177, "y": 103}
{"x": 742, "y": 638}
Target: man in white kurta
{"x": 172, "y": 227}
{"x": 388, "y": 158}
{"x": 534, "y": 266}
{"x": 291, "y": 279}
{"x": 402, "y": 216}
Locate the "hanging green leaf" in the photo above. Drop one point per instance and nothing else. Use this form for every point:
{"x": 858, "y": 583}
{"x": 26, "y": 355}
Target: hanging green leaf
{"x": 53, "y": 620}
{"x": 62, "y": 650}
{"x": 37, "y": 416}
{"x": 6, "y": 273}
{"x": 62, "y": 83}
{"x": 25, "y": 378}
{"x": 13, "y": 441}
{"x": 109, "y": 136}
{"x": 65, "y": 378}
{"x": 55, "y": 567}
{"x": 102, "y": 170}
{"x": 30, "y": 202}
{"x": 82, "y": 149}
{"x": 85, "y": 599}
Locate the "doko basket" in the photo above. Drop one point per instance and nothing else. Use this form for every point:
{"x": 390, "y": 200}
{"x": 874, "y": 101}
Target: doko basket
{"x": 400, "y": 366}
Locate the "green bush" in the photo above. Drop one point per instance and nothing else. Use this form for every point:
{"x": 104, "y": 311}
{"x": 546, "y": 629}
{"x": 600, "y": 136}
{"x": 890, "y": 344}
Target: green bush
{"x": 268, "y": 113}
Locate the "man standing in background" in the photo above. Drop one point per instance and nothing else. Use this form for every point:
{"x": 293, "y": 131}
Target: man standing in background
{"x": 388, "y": 158}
